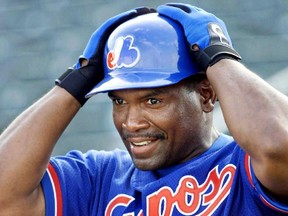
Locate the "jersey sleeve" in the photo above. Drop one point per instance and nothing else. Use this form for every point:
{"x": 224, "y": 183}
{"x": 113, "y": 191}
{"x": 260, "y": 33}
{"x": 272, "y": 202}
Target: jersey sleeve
{"x": 52, "y": 192}
{"x": 258, "y": 189}
{"x": 71, "y": 182}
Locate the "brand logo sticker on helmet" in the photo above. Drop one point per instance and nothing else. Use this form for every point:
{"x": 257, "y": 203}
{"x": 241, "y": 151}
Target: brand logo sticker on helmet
{"x": 216, "y": 34}
{"x": 124, "y": 53}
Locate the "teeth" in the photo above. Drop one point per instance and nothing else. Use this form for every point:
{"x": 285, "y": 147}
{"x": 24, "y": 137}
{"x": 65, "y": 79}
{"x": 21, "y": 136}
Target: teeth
{"x": 141, "y": 143}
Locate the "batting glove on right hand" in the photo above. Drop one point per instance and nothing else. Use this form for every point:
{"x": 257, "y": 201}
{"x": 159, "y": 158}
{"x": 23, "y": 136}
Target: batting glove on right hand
{"x": 204, "y": 30}
{"x": 78, "y": 80}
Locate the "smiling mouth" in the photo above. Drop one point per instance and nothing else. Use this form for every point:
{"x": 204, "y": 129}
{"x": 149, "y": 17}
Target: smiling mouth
{"x": 143, "y": 139}
{"x": 142, "y": 143}
{"x": 143, "y": 148}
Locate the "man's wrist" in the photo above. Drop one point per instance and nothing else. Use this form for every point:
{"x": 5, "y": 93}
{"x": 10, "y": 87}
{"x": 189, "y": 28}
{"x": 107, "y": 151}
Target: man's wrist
{"x": 66, "y": 96}
{"x": 224, "y": 64}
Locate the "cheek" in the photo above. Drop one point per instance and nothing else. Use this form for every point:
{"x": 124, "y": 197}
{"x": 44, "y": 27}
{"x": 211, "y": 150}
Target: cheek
{"x": 184, "y": 119}
{"x": 168, "y": 120}
{"x": 118, "y": 119}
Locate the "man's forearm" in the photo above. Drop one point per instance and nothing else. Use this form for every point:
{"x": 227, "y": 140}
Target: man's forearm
{"x": 254, "y": 111}
{"x": 257, "y": 117}
{"x": 26, "y": 145}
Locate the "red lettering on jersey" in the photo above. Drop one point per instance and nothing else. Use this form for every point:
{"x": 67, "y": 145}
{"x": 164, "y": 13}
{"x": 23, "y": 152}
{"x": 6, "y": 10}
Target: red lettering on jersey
{"x": 188, "y": 197}
{"x": 119, "y": 200}
{"x": 221, "y": 184}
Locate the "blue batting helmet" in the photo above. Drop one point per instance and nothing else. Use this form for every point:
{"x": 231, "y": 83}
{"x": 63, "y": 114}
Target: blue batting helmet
{"x": 144, "y": 52}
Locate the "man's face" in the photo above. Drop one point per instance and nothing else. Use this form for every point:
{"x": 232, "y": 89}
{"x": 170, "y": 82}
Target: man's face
{"x": 159, "y": 126}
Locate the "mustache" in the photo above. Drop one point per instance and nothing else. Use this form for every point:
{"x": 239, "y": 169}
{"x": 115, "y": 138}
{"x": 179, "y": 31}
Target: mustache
{"x": 145, "y": 135}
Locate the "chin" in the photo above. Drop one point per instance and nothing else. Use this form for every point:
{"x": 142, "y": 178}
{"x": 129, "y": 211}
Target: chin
{"x": 149, "y": 164}
{"x": 145, "y": 164}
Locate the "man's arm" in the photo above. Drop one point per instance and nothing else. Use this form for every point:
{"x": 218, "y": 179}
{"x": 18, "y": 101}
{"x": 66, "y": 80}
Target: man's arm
{"x": 257, "y": 117}
{"x": 25, "y": 149}
{"x": 256, "y": 113}
{"x": 26, "y": 145}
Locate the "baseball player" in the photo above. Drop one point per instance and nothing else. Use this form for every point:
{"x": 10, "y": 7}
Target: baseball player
{"x": 163, "y": 72}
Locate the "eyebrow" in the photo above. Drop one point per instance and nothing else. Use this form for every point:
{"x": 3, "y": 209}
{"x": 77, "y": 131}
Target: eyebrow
{"x": 154, "y": 92}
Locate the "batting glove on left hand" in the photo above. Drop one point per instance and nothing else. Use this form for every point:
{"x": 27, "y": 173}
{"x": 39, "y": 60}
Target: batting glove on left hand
{"x": 203, "y": 29}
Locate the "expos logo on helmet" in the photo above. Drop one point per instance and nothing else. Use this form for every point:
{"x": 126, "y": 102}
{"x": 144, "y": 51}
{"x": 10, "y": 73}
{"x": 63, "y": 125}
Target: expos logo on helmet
{"x": 124, "y": 53}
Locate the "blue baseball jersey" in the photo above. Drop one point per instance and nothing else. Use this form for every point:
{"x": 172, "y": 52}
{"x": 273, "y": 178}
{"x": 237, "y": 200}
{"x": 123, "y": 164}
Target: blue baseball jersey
{"x": 218, "y": 182}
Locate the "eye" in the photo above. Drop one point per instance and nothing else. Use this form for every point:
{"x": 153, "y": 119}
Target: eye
{"x": 118, "y": 101}
{"x": 153, "y": 101}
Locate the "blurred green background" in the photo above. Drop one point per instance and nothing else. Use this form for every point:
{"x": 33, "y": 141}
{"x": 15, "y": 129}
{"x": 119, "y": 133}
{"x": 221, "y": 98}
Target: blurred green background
{"x": 39, "y": 39}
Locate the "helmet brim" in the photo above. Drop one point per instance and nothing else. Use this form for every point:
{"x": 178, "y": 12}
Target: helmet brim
{"x": 134, "y": 80}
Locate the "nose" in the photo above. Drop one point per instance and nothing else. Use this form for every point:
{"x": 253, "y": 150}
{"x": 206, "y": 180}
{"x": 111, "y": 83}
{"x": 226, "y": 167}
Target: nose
{"x": 135, "y": 120}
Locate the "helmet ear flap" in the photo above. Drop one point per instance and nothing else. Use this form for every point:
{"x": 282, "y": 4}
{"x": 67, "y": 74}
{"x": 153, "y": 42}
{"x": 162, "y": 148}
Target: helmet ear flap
{"x": 147, "y": 51}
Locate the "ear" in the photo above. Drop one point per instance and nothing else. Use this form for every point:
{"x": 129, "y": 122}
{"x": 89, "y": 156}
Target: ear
{"x": 208, "y": 95}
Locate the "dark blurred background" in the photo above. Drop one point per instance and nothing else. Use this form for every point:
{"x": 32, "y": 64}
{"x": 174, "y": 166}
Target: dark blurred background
{"x": 39, "y": 39}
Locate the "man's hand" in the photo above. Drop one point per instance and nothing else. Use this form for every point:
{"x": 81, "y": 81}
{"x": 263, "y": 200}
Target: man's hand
{"x": 207, "y": 35}
{"x": 83, "y": 76}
